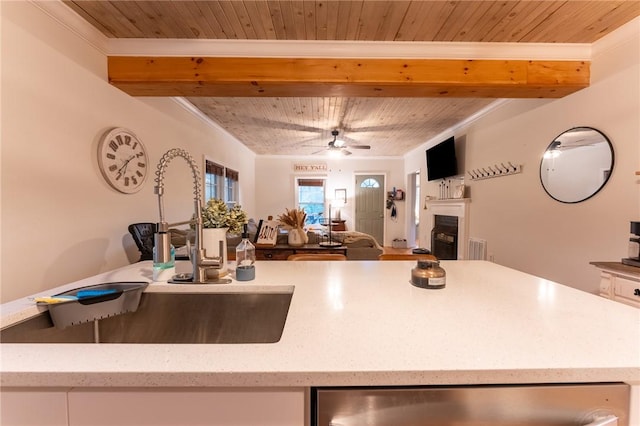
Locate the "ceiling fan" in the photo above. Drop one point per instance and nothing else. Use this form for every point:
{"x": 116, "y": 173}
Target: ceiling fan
{"x": 572, "y": 139}
{"x": 338, "y": 146}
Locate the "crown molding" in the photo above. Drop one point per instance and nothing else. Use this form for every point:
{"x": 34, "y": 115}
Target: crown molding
{"x": 189, "y": 107}
{"x": 348, "y": 49}
{"x": 184, "y": 103}
{"x": 74, "y": 23}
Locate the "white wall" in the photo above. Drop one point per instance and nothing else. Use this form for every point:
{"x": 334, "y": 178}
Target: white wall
{"x": 416, "y": 161}
{"x": 526, "y": 229}
{"x": 275, "y": 186}
{"x": 60, "y": 220}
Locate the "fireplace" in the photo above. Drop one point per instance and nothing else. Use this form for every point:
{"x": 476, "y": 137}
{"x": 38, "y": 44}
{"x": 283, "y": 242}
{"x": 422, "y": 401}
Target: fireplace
{"x": 458, "y": 208}
{"x": 444, "y": 237}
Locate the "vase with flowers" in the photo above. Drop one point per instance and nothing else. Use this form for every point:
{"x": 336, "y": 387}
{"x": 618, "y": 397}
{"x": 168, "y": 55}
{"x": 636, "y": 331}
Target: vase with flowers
{"x": 218, "y": 220}
{"x": 293, "y": 220}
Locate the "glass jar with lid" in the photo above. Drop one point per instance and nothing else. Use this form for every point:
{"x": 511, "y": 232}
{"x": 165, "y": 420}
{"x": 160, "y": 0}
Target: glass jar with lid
{"x": 428, "y": 274}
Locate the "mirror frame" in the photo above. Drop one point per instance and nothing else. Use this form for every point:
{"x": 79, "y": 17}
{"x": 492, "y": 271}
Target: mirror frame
{"x": 606, "y": 139}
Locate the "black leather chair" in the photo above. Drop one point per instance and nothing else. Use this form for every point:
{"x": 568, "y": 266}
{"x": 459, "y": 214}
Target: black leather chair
{"x": 142, "y": 234}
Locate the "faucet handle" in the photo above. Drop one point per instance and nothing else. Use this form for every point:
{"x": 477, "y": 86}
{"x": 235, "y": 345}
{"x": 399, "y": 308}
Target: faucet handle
{"x": 214, "y": 261}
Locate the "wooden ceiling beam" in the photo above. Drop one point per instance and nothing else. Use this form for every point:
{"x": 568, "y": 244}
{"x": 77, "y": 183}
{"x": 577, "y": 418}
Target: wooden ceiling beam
{"x": 304, "y": 77}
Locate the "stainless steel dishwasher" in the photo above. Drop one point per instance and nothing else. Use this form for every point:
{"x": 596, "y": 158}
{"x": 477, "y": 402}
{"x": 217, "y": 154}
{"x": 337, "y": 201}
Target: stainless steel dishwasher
{"x": 596, "y": 404}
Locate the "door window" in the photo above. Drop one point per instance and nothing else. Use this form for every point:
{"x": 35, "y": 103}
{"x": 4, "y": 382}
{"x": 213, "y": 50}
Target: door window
{"x": 370, "y": 183}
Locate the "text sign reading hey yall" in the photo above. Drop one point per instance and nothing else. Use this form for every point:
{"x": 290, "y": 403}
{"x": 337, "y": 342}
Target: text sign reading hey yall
{"x": 310, "y": 167}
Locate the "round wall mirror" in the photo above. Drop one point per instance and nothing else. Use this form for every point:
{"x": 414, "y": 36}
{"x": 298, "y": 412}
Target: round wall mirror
{"x": 576, "y": 165}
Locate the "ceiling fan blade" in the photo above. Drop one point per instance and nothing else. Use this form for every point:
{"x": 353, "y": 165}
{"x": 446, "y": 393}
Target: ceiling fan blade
{"x": 350, "y": 140}
{"x": 280, "y": 125}
{"x": 358, "y": 146}
{"x": 318, "y": 152}
{"x": 302, "y": 143}
{"x": 345, "y": 152}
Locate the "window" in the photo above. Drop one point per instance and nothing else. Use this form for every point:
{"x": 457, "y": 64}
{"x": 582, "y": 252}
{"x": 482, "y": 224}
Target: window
{"x": 220, "y": 182}
{"x": 370, "y": 183}
{"x": 213, "y": 181}
{"x": 311, "y": 198}
{"x": 231, "y": 186}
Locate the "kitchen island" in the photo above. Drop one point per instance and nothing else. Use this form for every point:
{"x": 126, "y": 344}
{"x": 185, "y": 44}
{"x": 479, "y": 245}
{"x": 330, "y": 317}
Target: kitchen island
{"x": 360, "y": 323}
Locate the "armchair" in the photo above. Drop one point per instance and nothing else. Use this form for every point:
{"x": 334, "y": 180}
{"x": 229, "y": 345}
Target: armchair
{"x": 142, "y": 234}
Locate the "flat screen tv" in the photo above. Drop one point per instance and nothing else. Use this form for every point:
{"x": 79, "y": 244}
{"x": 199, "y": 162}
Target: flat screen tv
{"x": 441, "y": 160}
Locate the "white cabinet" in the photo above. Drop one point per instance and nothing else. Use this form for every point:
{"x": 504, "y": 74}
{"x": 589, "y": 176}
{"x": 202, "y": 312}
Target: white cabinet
{"x": 634, "y": 415}
{"x": 186, "y": 407}
{"x": 619, "y": 282}
{"x": 33, "y": 407}
{"x": 626, "y": 291}
{"x": 154, "y": 406}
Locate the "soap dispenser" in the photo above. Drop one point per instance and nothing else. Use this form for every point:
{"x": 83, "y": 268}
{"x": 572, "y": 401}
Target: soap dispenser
{"x": 245, "y": 258}
{"x": 163, "y": 271}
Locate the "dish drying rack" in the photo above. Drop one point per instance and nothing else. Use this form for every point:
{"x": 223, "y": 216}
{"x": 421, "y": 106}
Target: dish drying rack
{"x": 103, "y": 301}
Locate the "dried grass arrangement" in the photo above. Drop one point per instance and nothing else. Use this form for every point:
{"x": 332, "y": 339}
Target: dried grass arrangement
{"x": 293, "y": 218}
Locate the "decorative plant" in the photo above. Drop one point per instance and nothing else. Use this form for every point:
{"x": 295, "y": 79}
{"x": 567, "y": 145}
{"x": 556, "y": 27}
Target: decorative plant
{"x": 216, "y": 214}
{"x": 293, "y": 218}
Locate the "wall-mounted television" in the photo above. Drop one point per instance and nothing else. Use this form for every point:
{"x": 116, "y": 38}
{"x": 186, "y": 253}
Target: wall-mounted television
{"x": 441, "y": 160}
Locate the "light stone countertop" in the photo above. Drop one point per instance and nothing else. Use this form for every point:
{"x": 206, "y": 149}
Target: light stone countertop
{"x": 363, "y": 323}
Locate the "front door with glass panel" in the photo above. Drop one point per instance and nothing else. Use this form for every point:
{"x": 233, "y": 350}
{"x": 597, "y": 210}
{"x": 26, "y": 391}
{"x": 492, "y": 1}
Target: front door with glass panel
{"x": 370, "y": 204}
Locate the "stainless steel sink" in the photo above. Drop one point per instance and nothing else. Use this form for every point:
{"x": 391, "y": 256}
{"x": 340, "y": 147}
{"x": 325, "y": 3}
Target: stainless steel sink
{"x": 230, "y": 317}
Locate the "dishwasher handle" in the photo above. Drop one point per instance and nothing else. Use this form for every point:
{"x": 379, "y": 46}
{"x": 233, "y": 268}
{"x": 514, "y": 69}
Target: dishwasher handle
{"x": 609, "y": 420}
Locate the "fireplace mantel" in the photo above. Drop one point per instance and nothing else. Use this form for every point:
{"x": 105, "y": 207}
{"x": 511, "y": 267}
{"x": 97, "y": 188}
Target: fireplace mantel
{"x": 458, "y": 207}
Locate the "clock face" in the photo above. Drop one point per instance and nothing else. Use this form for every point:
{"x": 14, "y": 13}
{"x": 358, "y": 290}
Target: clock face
{"x": 123, "y": 160}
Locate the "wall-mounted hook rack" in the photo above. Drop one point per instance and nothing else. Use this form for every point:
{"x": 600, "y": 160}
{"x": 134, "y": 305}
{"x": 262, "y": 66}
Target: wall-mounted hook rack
{"x": 495, "y": 171}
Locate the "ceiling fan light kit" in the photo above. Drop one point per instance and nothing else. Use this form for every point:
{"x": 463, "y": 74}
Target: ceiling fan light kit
{"x": 337, "y": 153}
{"x": 337, "y": 147}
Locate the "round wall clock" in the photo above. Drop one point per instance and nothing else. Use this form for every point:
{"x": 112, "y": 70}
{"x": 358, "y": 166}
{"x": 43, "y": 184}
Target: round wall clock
{"x": 123, "y": 161}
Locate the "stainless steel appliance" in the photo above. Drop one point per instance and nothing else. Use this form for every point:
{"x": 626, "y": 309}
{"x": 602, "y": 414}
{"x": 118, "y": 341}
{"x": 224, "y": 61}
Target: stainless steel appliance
{"x": 634, "y": 246}
{"x": 523, "y": 405}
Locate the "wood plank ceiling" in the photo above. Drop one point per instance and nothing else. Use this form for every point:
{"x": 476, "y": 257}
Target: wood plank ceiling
{"x": 391, "y": 125}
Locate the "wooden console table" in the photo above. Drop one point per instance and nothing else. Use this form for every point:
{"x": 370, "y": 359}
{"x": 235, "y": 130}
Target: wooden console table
{"x": 281, "y": 252}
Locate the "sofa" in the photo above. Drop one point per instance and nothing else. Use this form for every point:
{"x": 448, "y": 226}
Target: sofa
{"x": 360, "y": 246}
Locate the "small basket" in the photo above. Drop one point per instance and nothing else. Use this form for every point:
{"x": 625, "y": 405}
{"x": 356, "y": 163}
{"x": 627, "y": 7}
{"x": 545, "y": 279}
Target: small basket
{"x": 122, "y": 297}
{"x": 399, "y": 243}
